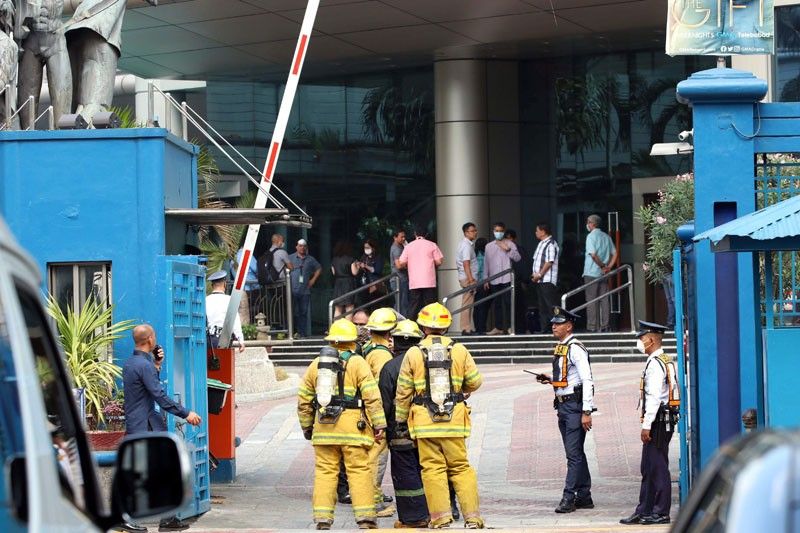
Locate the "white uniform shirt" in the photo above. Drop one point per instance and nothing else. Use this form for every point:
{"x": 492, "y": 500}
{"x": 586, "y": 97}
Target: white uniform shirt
{"x": 216, "y": 307}
{"x": 655, "y": 388}
{"x": 578, "y": 371}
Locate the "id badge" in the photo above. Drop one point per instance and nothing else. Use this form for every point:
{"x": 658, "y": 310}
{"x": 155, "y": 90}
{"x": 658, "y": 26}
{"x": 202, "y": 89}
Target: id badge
{"x": 300, "y": 279}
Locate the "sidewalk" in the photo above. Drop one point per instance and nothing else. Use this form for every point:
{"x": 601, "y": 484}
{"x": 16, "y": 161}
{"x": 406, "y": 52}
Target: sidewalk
{"x": 515, "y": 447}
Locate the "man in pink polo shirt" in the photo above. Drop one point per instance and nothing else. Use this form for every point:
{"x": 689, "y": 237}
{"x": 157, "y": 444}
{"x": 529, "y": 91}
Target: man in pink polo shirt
{"x": 421, "y": 257}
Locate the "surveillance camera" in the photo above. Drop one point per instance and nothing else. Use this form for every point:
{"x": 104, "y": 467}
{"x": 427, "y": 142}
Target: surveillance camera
{"x": 684, "y": 135}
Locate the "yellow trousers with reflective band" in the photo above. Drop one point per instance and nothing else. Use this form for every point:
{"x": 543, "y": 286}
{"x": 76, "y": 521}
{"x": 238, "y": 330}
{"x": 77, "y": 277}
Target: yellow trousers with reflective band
{"x": 377, "y": 454}
{"x": 359, "y": 477}
{"x": 443, "y": 459}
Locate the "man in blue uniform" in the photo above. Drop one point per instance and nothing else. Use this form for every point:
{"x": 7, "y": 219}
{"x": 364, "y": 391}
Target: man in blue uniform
{"x": 658, "y": 424}
{"x": 574, "y": 401}
{"x": 142, "y": 390}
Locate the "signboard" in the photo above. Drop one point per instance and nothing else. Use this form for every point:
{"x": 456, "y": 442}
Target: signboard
{"x": 720, "y": 27}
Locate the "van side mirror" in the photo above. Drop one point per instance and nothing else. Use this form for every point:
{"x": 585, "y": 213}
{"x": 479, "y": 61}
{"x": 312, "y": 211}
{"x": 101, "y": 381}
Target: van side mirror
{"x": 152, "y": 477}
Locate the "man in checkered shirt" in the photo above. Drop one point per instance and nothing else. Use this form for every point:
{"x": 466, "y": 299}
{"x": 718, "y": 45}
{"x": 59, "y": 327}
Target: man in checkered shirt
{"x": 545, "y": 274}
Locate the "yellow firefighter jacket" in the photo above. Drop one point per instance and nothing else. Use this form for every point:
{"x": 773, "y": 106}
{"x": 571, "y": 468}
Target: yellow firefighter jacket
{"x": 345, "y": 432}
{"x": 377, "y": 354}
{"x": 464, "y": 378}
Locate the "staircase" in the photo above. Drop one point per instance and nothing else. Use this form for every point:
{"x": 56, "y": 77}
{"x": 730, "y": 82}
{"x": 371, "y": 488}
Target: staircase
{"x": 528, "y": 349}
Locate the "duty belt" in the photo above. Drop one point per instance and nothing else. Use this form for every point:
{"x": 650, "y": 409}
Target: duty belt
{"x": 455, "y": 397}
{"x": 567, "y": 398}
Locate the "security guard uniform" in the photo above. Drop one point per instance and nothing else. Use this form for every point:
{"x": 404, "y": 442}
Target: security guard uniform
{"x": 659, "y": 402}
{"x": 349, "y": 437}
{"x": 216, "y": 308}
{"x": 412, "y": 510}
{"x": 440, "y": 439}
{"x": 574, "y": 397}
{"x": 377, "y": 353}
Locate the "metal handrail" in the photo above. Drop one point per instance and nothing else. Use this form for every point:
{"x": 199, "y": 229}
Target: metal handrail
{"x": 357, "y": 290}
{"x": 481, "y": 283}
{"x": 604, "y": 278}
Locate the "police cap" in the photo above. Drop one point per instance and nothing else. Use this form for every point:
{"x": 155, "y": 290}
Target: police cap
{"x": 650, "y": 327}
{"x": 218, "y": 275}
{"x": 561, "y": 315}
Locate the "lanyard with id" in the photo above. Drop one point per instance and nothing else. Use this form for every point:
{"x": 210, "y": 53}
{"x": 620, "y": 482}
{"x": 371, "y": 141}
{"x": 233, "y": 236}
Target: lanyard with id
{"x": 301, "y": 277}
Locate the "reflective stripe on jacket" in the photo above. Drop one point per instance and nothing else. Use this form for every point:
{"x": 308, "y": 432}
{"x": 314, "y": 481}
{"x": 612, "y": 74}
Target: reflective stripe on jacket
{"x": 464, "y": 377}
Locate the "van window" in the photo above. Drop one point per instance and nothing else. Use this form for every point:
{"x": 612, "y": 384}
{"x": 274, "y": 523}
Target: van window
{"x": 65, "y": 430}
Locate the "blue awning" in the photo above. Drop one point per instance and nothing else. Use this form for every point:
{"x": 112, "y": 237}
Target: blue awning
{"x": 776, "y": 227}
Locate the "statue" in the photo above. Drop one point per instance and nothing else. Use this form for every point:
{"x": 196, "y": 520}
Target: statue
{"x": 8, "y": 54}
{"x": 43, "y": 44}
{"x": 94, "y": 43}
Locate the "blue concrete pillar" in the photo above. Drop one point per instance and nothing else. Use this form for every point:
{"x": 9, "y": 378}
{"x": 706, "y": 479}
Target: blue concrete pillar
{"x": 723, "y": 102}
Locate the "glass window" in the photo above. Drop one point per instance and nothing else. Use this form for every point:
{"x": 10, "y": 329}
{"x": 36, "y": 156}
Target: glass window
{"x": 787, "y": 54}
{"x": 72, "y": 284}
{"x": 65, "y": 430}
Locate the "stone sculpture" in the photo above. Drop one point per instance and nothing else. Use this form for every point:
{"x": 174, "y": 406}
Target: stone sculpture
{"x": 8, "y": 54}
{"x": 43, "y": 44}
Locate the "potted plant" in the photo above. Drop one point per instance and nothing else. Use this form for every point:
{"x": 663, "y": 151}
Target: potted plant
{"x": 106, "y": 435}
{"x": 87, "y": 337}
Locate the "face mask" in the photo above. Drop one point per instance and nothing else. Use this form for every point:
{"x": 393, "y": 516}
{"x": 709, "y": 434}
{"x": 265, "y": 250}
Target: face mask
{"x": 588, "y": 228}
{"x": 498, "y": 235}
{"x": 640, "y": 345}
{"x": 368, "y": 251}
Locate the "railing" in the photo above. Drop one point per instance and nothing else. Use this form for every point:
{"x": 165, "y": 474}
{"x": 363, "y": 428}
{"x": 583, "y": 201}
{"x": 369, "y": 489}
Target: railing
{"x": 492, "y": 296}
{"x": 275, "y": 302}
{"x": 390, "y": 293}
{"x": 30, "y": 109}
{"x": 604, "y": 279}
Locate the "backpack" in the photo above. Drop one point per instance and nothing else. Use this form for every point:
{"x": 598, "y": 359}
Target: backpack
{"x": 267, "y": 273}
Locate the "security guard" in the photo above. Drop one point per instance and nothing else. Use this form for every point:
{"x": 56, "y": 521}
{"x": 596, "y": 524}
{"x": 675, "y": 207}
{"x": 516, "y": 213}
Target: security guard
{"x": 659, "y": 403}
{"x": 216, "y": 307}
{"x": 435, "y": 378}
{"x": 377, "y": 351}
{"x": 340, "y": 411}
{"x": 412, "y": 511}
{"x": 574, "y": 390}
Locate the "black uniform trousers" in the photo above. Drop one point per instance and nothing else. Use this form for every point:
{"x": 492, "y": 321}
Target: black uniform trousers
{"x": 547, "y": 298}
{"x": 407, "y": 480}
{"x": 578, "y": 484}
{"x": 655, "y": 494}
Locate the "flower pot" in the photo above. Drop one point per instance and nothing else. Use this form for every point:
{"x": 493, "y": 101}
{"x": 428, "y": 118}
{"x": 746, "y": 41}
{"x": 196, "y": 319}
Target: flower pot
{"x": 105, "y": 441}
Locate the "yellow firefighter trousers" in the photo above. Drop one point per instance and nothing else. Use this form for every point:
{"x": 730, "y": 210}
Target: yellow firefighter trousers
{"x": 442, "y": 459}
{"x": 359, "y": 477}
{"x": 377, "y": 455}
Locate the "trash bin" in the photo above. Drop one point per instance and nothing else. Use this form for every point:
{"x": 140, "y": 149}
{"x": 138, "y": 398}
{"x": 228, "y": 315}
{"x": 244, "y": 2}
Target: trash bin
{"x": 217, "y": 394}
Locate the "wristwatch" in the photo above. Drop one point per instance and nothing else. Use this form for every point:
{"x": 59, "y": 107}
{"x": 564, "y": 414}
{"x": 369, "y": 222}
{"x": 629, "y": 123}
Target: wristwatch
{"x": 587, "y": 413}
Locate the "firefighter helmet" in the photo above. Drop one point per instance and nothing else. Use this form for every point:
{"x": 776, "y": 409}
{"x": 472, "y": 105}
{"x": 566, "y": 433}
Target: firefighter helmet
{"x": 435, "y": 316}
{"x": 382, "y": 319}
{"x": 407, "y": 329}
{"x": 342, "y": 330}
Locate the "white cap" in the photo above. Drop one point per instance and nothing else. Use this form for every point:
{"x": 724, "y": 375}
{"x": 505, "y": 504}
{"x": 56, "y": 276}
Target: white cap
{"x": 302, "y": 242}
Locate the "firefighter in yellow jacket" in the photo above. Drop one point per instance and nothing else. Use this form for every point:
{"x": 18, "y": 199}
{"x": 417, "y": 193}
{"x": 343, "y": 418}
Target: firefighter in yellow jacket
{"x": 377, "y": 353}
{"x": 435, "y": 378}
{"x": 340, "y": 411}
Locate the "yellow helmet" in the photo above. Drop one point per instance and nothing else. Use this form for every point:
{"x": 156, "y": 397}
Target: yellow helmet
{"x": 382, "y": 319}
{"x": 342, "y": 330}
{"x": 408, "y": 329}
{"x": 435, "y": 316}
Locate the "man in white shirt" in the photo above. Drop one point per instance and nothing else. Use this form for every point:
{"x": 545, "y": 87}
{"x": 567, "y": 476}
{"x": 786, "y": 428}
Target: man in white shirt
{"x": 544, "y": 274}
{"x": 467, "y": 266}
{"x": 217, "y": 307}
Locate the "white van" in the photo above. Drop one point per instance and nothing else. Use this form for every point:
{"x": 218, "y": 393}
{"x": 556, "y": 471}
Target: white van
{"x": 49, "y": 480}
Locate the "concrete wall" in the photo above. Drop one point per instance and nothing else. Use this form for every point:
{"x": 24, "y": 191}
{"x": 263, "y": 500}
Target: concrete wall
{"x": 100, "y": 195}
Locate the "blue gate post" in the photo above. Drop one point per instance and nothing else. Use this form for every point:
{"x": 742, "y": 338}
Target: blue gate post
{"x": 723, "y": 102}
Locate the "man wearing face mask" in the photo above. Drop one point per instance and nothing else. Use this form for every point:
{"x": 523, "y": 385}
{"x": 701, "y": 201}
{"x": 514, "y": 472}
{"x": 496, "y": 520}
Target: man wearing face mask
{"x": 659, "y": 403}
{"x": 499, "y": 255}
{"x": 367, "y": 270}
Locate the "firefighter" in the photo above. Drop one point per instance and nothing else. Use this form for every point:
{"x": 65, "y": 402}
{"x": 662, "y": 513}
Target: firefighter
{"x": 377, "y": 351}
{"x": 435, "y": 378}
{"x": 659, "y": 402}
{"x": 412, "y": 511}
{"x": 574, "y": 400}
{"x": 340, "y": 412}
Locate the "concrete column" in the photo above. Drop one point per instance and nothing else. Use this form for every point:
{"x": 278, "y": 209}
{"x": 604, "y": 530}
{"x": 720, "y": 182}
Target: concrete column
{"x": 477, "y": 152}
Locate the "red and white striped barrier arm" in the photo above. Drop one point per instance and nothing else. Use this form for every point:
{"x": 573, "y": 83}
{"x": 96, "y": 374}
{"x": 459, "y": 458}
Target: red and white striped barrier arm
{"x": 285, "y": 110}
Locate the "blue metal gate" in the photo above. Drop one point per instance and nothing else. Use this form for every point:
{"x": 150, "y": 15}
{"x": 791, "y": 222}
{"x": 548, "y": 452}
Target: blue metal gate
{"x": 183, "y": 334}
